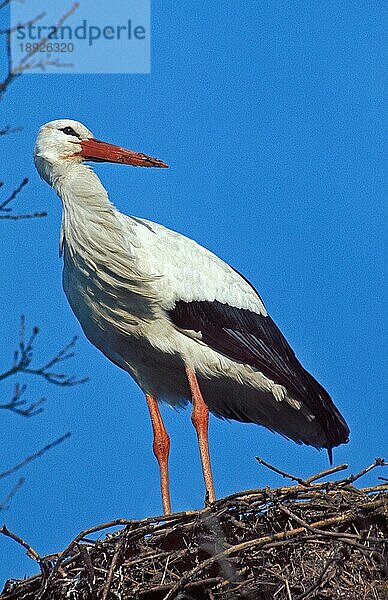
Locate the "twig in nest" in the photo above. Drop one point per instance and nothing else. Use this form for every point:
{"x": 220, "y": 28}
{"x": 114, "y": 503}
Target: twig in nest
{"x": 327, "y": 472}
{"x": 31, "y": 553}
{"x": 112, "y": 568}
{"x": 88, "y": 564}
{"x": 280, "y": 472}
{"x": 378, "y": 462}
{"x": 318, "y": 581}
{"x": 309, "y": 480}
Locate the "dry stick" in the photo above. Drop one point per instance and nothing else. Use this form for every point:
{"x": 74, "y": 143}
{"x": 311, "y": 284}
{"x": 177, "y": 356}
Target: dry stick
{"x": 31, "y": 553}
{"x": 309, "y": 480}
{"x": 112, "y": 568}
{"x": 318, "y": 581}
{"x": 88, "y": 563}
{"x": 279, "y": 472}
{"x": 379, "y": 462}
{"x": 381, "y": 487}
{"x": 313, "y": 529}
{"x": 327, "y": 472}
{"x": 265, "y": 540}
{"x": 37, "y": 454}
{"x": 192, "y": 584}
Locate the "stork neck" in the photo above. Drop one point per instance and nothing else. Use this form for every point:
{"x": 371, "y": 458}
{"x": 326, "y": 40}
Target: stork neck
{"x": 81, "y": 190}
{"x": 89, "y": 219}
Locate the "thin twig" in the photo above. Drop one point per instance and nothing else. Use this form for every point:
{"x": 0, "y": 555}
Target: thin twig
{"x": 34, "y": 215}
{"x": 318, "y": 581}
{"x": 16, "y": 402}
{"x": 282, "y": 473}
{"x": 34, "y": 456}
{"x": 8, "y": 129}
{"x": 112, "y": 568}
{"x": 14, "y": 194}
{"x": 24, "y": 354}
{"x": 88, "y": 564}
{"x": 24, "y": 64}
{"x": 31, "y": 553}
{"x": 5, "y": 503}
{"x": 378, "y": 462}
{"x": 326, "y": 473}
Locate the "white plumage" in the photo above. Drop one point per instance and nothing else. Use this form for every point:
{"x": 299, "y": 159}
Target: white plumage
{"x": 161, "y": 307}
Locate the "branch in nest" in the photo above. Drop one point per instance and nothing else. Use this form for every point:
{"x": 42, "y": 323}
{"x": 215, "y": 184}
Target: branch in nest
{"x": 305, "y": 482}
{"x": 30, "y": 551}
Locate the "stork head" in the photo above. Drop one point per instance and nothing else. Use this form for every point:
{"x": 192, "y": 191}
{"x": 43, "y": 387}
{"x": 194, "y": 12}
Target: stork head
{"x": 64, "y": 142}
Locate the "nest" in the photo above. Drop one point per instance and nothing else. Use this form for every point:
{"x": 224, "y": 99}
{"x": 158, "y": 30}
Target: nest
{"x": 319, "y": 540}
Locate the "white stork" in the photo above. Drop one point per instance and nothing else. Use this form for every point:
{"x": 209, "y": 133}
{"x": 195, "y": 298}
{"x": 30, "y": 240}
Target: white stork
{"x": 183, "y": 323}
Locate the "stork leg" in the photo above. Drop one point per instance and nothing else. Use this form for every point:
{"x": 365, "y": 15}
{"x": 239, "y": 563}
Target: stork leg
{"x": 200, "y": 420}
{"x": 161, "y": 447}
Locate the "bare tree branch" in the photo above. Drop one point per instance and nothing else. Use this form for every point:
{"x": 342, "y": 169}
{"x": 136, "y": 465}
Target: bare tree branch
{"x": 16, "y": 402}
{"x": 5, "y": 3}
{"x": 23, "y": 357}
{"x": 34, "y": 456}
{"x": 27, "y": 216}
{"x": 8, "y": 129}
{"x": 26, "y": 62}
{"x": 5, "y": 503}
{"x": 13, "y": 195}
{"x": 4, "y": 206}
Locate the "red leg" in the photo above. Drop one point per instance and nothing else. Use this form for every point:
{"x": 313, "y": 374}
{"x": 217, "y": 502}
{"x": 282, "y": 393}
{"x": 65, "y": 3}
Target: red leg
{"x": 200, "y": 420}
{"x": 161, "y": 448}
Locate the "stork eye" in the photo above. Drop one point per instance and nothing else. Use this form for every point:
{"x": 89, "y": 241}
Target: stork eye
{"x": 70, "y": 131}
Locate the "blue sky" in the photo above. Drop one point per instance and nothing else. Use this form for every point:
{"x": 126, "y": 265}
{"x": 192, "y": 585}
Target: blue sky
{"x": 270, "y": 117}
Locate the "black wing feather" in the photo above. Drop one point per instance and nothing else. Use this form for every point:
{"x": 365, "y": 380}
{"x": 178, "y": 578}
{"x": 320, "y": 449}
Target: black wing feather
{"x": 255, "y": 340}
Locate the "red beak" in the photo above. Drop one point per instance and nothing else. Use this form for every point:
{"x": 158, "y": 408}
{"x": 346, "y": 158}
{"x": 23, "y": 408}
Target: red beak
{"x": 103, "y": 152}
